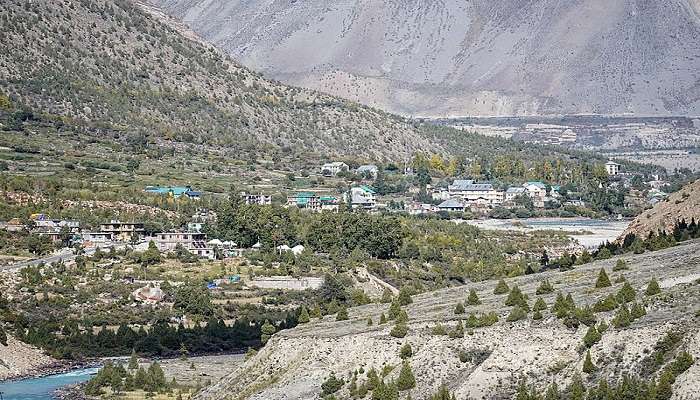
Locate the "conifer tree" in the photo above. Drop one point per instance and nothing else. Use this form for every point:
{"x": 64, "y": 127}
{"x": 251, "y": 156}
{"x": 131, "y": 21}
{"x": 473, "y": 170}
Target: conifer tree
{"x": 620, "y": 265}
{"x": 501, "y": 287}
{"x": 405, "y": 296}
{"x": 133, "y": 361}
{"x": 386, "y": 296}
{"x": 576, "y": 391}
{"x": 394, "y": 309}
{"x": 406, "y": 351}
{"x": 399, "y": 330}
{"x": 603, "y": 280}
{"x": 540, "y": 305}
{"x": 537, "y": 315}
{"x": 316, "y": 312}
{"x": 588, "y": 366}
{"x": 342, "y": 314}
{"x": 552, "y": 392}
{"x": 382, "y": 319}
{"x": 637, "y": 311}
{"x": 457, "y": 331}
{"x": 372, "y": 379}
{"x": 406, "y": 379}
{"x": 626, "y": 293}
{"x": 459, "y": 308}
{"x": 473, "y": 299}
{"x": 516, "y": 314}
{"x": 545, "y": 287}
{"x": 653, "y": 288}
{"x": 623, "y": 318}
{"x": 369, "y": 321}
{"x": 592, "y": 337}
{"x": 304, "y": 315}
{"x": 266, "y": 331}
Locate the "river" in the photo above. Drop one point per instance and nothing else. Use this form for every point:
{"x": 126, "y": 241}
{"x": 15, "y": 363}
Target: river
{"x": 590, "y": 233}
{"x": 44, "y": 387}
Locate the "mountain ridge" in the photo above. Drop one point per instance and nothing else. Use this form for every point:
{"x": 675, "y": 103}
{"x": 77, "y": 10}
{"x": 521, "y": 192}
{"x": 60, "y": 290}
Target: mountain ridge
{"x": 482, "y": 58}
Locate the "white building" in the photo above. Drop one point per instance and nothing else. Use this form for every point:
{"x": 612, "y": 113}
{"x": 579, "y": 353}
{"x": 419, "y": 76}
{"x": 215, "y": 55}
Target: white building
{"x": 333, "y": 168}
{"x": 513, "y": 192}
{"x": 369, "y": 169}
{"x": 362, "y": 197}
{"x": 470, "y": 192}
{"x": 612, "y": 167}
{"x": 194, "y": 242}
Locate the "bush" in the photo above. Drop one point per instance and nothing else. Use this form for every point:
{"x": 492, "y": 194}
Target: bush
{"x": 653, "y": 288}
{"x": 501, "y": 287}
{"x": 537, "y": 315}
{"x": 406, "y": 351}
{"x": 304, "y": 315}
{"x": 459, "y": 309}
{"x": 607, "y": 304}
{"x": 439, "y": 330}
{"x": 517, "y": 298}
{"x": 342, "y": 314}
{"x": 540, "y": 305}
{"x": 516, "y": 314}
{"x": 623, "y": 318}
{"x": 405, "y": 296}
{"x": 473, "y": 298}
{"x": 457, "y": 331}
{"x": 332, "y": 385}
{"x": 637, "y": 311}
{"x": 399, "y": 330}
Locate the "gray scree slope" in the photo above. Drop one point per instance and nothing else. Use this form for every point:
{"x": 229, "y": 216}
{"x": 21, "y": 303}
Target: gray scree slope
{"x": 479, "y": 57}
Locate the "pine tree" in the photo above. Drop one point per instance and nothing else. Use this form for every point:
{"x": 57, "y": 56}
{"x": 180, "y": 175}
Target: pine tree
{"x": 405, "y": 296}
{"x": 620, "y": 265}
{"x": 588, "y": 366}
{"x": 473, "y": 298}
{"x": 516, "y": 314}
{"x": 369, "y": 321}
{"x": 316, "y": 312}
{"x": 332, "y": 384}
{"x": 406, "y": 351}
{"x": 552, "y": 392}
{"x": 342, "y": 314}
{"x": 537, "y": 315}
{"x": 603, "y": 280}
{"x": 304, "y": 315}
{"x": 406, "y": 379}
{"x": 501, "y": 287}
{"x": 399, "y": 330}
{"x": 382, "y": 319}
{"x": 133, "y": 361}
{"x": 459, "y": 308}
{"x": 626, "y": 293}
{"x": 266, "y": 331}
{"x": 517, "y": 298}
{"x": 545, "y": 287}
{"x": 457, "y": 332}
{"x": 540, "y": 305}
{"x": 653, "y": 288}
{"x": 623, "y": 318}
{"x": 576, "y": 391}
{"x": 637, "y": 311}
{"x": 592, "y": 337}
{"x": 522, "y": 392}
{"x": 394, "y": 309}
{"x": 386, "y": 296}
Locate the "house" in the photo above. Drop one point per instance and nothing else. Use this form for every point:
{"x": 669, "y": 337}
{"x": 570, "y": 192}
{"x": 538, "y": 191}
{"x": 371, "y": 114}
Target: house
{"x": 296, "y": 250}
{"x": 95, "y": 239}
{"x": 370, "y": 170}
{"x": 123, "y": 231}
{"x": 470, "y": 191}
{"x": 259, "y": 198}
{"x": 612, "y": 168}
{"x": 440, "y": 194}
{"x": 14, "y": 225}
{"x": 575, "y": 203}
{"x": 419, "y": 208}
{"x": 194, "y": 242}
{"x": 362, "y": 197}
{"x": 513, "y": 192}
{"x": 311, "y": 201}
{"x": 452, "y": 205}
{"x": 174, "y": 191}
{"x": 333, "y": 168}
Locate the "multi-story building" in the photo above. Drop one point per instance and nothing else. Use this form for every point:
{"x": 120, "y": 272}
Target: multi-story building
{"x": 362, "y": 197}
{"x": 259, "y": 199}
{"x": 194, "y": 242}
{"x": 471, "y": 192}
{"x": 123, "y": 231}
{"x": 313, "y": 202}
{"x": 612, "y": 167}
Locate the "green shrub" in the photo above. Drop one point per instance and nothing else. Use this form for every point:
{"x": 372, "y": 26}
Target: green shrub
{"x": 626, "y": 293}
{"x": 399, "y": 330}
{"x": 540, "y": 305}
{"x": 405, "y": 296}
{"x": 516, "y": 314}
{"x": 545, "y": 288}
{"x": 473, "y": 298}
{"x": 406, "y": 351}
{"x": 406, "y": 379}
{"x": 457, "y": 331}
{"x": 459, "y": 308}
{"x": 342, "y": 314}
{"x": 439, "y": 330}
{"x": 622, "y": 318}
{"x": 592, "y": 337}
{"x": 637, "y": 311}
{"x": 620, "y": 265}
{"x": 304, "y": 315}
{"x": 653, "y": 288}
{"x": 501, "y": 287}
{"x": 609, "y": 303}
{"x": 332, "y": 385}
{"x": 588, "y": 366}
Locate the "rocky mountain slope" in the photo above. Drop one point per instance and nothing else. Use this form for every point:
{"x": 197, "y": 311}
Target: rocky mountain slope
{"x": 122, "y": 69}
{"x": 681, "y": 205}
{"x": 482, "y": 57}
{"x": 20, "y": 359}
{"x": 295, "y": 363}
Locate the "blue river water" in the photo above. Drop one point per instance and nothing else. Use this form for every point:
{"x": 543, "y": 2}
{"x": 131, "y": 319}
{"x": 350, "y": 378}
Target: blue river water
{"x": 43, "y": 388}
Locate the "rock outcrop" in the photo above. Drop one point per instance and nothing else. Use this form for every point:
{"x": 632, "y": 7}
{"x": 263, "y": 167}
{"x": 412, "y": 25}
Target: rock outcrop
{"x": 493, "y": 359}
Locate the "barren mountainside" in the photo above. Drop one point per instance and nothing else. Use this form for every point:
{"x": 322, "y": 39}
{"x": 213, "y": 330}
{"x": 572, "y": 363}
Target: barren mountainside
{"x": 482, "y": 57}
{"x": 488, "y": 362}
{"x": 681, "y": 205}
